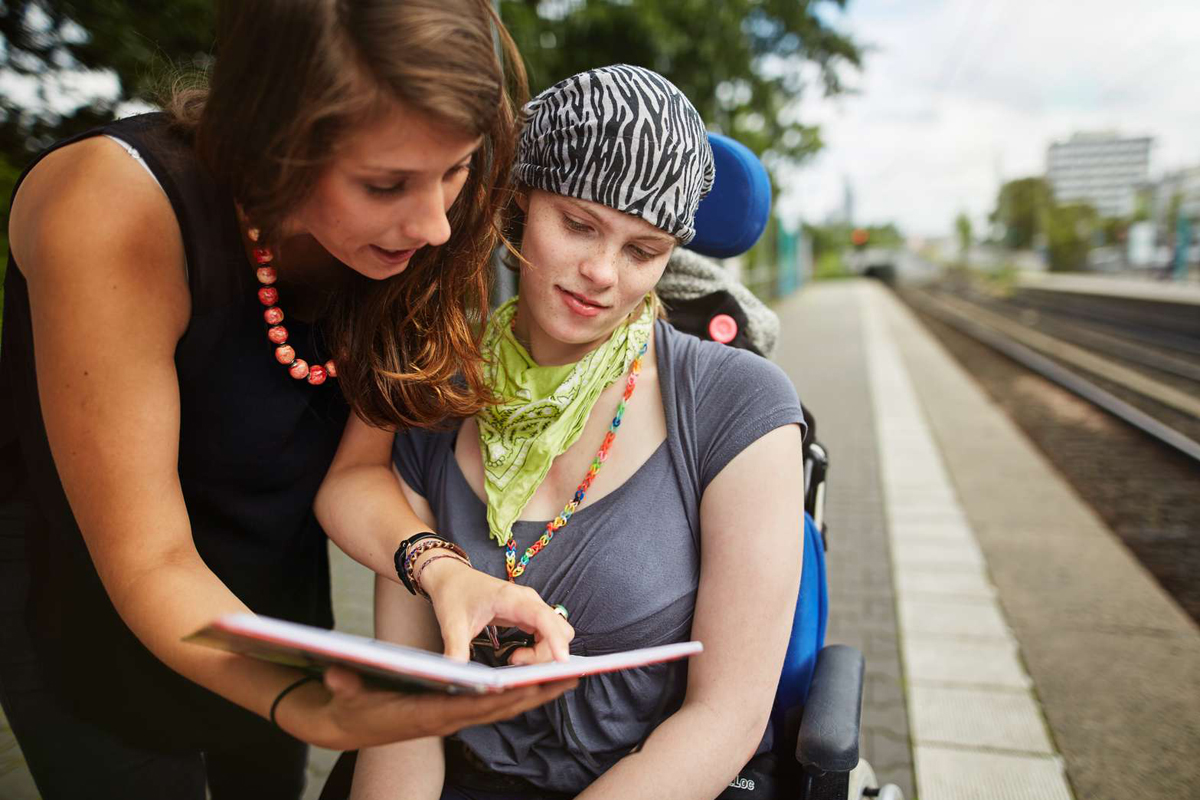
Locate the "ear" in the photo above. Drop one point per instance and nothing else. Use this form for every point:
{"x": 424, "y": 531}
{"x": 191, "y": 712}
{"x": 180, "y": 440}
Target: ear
{"x": 522, "y": 197}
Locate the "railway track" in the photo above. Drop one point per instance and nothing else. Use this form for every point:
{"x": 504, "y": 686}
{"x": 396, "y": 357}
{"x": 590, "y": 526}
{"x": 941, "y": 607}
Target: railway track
{"x": 1096, "y": 413}
{"x": 1109, "y": 360}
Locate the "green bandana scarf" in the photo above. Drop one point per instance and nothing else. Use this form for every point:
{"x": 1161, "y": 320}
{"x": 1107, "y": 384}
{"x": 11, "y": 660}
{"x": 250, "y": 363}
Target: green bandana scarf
{"x": 542, "y": 410}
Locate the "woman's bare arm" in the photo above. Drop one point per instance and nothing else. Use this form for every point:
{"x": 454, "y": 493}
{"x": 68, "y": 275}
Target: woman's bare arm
{"x": 360, "y": 504}
{"x": 751, "y": 552}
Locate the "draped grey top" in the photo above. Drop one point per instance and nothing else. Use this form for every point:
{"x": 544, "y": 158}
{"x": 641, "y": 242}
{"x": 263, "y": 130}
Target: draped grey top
{"x": 627, "y": 566}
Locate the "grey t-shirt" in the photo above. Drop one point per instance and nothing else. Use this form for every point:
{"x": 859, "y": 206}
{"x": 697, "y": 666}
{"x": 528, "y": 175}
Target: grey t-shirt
{"x": 627, "y": 566}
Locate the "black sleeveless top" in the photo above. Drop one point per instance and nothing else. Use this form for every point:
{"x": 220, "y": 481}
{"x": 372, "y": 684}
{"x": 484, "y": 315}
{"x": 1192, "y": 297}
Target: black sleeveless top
{"x": 254, "y": 445}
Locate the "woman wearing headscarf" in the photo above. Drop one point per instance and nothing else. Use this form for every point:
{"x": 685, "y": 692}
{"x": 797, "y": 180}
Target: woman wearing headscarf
{"x": 647, "y": 481}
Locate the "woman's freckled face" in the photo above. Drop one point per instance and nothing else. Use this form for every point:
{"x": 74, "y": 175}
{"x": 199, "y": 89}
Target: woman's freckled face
{"x": 387, "y": 192}
{"x": 589, "y": 268}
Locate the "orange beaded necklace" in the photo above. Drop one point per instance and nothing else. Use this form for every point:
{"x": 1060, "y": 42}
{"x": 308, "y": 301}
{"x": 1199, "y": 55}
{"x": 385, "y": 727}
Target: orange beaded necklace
{"x": 268, "y": 295}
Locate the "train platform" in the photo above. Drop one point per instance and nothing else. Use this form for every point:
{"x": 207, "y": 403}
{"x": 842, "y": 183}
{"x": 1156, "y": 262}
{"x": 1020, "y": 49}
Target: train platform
{"x": 1015, "y": 648}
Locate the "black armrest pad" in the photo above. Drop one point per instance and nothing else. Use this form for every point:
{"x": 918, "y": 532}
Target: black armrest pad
{"x": 829, "y": 727}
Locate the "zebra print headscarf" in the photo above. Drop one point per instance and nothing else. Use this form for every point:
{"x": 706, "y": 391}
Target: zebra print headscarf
{"x": 622, "y": 136}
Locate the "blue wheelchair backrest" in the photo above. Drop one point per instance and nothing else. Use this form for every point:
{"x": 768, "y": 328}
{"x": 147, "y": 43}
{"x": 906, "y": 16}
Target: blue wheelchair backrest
{"x": 735, "y": 213}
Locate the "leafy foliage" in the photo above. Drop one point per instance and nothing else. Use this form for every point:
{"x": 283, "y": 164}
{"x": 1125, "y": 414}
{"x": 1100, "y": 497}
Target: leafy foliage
{"x": 1021, "y": 208}
{"x": 741, "y": 62}
{"x": 962, "y": 229}
{"x": 1032, "y": 219}
{"x": 141, "y": 41}
{"x": 1069, "y": 232}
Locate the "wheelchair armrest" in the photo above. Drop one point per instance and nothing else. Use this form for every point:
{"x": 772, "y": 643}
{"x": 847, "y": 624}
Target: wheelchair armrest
{"x": 829, "y": 725}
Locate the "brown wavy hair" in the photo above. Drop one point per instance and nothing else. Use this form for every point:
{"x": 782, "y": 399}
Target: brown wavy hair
{"x": 292, "y": 77}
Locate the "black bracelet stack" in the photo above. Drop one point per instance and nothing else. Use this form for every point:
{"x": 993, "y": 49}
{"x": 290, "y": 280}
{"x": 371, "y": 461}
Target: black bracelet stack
{"x": 401, "y": 557}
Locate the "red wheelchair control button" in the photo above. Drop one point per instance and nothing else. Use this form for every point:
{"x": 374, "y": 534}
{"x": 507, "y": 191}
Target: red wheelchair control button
{"x": 722, "y": 328}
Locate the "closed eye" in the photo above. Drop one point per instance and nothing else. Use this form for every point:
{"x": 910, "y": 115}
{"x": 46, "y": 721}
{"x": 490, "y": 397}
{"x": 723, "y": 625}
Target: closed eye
{"x": 641, "y": 255}
{"x": 395, "y": 188}
{"x": 576, "y": 225}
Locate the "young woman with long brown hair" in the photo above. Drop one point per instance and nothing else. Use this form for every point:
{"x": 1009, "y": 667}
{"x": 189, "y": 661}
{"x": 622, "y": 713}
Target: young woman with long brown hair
{"x": 195, "y": 303}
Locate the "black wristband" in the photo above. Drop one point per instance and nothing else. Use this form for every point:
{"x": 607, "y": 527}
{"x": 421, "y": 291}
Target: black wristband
{"x": 286, "y": 691}
{"x": 401, "y": 556}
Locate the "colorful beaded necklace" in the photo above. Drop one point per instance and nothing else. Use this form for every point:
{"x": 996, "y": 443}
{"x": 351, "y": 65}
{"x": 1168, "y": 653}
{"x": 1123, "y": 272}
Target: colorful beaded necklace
{"x": 515, "y": 568}
{"x": 268, "y": 295}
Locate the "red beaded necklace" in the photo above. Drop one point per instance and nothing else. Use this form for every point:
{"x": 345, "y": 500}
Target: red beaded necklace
{"x": 268, "y": 295}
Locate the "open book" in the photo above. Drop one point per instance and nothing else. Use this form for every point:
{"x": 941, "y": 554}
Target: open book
{"x": 408, "y": 668}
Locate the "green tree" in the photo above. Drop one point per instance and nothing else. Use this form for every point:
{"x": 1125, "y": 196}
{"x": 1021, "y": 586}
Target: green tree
{"x": 741, "y": 62}
{"x": 140, "y": 41}
{"x": 1021, "y": 208}
{"x": 962, "y": 228}
{"x": 1069, "y": 232}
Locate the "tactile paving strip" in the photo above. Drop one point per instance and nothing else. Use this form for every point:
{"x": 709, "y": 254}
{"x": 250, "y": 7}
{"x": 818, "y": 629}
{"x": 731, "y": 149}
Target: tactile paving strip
{"x": 953, "y": 617}
{"x": 974, "y": 717}
{"x": 929, "y": 659}
{"x": 949, "y": 774}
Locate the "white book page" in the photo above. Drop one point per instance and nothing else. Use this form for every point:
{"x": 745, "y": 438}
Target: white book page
{"x": 309, "y": 647}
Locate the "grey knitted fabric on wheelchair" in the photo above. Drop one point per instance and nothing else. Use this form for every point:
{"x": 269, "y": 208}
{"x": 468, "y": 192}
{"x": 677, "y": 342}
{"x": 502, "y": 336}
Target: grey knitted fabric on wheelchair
{"x": 690, "y": 275}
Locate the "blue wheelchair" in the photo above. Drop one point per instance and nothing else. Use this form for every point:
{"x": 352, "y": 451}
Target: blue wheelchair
{"x": 817, "y": 712}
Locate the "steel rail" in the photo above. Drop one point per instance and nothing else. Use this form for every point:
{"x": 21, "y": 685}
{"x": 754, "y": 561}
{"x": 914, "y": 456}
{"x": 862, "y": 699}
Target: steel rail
{"x": 1082, "y": 334}
{"x": 1055, "y": 372}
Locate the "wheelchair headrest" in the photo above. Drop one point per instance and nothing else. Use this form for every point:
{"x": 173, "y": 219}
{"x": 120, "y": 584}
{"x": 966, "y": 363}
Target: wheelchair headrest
{"x": 734, "y": 214}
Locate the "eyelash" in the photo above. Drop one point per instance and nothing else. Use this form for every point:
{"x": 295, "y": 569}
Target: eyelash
{"x": 399, "y": 187}
{"x": 575, "y": 225}
{"x": 383, "y": 190}
{"x": 578, "y": 227}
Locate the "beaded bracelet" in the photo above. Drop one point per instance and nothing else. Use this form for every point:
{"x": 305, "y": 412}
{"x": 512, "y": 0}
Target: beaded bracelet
{"x": 417, "y": 577}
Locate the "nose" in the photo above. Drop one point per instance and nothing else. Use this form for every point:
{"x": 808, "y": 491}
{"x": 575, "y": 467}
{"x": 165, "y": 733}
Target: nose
{"x": 425, "y": 221}
{"x": 599, "y": 267}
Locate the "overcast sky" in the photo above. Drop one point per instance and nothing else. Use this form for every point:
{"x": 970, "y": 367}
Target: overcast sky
{"x": 958, "y": 94}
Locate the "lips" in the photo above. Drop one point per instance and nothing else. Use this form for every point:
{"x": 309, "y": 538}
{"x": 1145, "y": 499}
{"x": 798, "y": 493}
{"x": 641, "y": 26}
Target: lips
{"x": 580, "y": 304}
{"x": 583, "y": 298}
{"x": 393, "y": 256}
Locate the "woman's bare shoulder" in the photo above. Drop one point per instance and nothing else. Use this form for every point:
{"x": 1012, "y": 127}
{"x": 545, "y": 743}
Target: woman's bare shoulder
{"x": 89, "y": 218}
{"x": 91, "y": 193}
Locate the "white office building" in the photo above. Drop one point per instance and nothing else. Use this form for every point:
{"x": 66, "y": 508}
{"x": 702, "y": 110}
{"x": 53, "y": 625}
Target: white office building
{"x": 1101, "y": 169}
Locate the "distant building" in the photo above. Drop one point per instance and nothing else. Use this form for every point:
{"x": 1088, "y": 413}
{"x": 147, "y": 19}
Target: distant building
{"x": 1101, "y": 169}
{"x": 1183, "y": 184}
